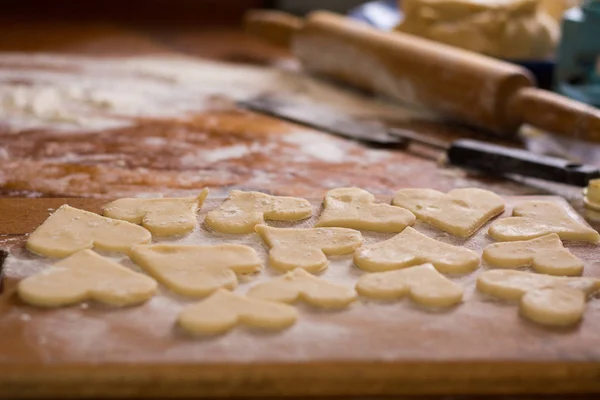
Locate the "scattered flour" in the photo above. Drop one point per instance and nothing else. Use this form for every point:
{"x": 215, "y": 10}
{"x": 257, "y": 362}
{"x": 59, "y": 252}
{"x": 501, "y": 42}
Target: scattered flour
{"x": 87, "y": 93}
{"x": 319, "y": 146}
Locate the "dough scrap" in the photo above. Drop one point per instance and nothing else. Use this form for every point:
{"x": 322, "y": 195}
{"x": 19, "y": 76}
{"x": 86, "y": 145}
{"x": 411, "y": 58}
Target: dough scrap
{"x": 301, "y": 285}
{"x": 242, "y": 211}
{"x": 545, "y": 254}
{"x": 510, "y": 29}
{"x": 533, "y": 219}
{"x": 83, "y": 276}
{"x": 307, "y": 248}
{"x": 547, "y": 300}
{"x": 356, "y": 209}
{"x": 460, "y": 212}
{"x": 411, "y": 248}
{"x": 423, "y": 283}
{"x": 69, "y": 230}
{"x": 223, "y": 310}
{"x": 194, "y": 270}
{"x": 162, "y": 217}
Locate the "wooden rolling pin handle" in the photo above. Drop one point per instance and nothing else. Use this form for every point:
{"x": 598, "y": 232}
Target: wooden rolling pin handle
{"x": 556, "y": 114}
{"x": 275, "y": 27}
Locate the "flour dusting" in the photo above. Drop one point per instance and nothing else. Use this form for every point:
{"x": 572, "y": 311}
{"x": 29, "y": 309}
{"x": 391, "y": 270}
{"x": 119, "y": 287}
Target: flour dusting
{"x": 87, "y": 93}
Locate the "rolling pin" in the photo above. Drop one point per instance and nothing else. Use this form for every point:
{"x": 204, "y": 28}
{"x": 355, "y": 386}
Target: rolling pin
{"x": 460, "y": 85}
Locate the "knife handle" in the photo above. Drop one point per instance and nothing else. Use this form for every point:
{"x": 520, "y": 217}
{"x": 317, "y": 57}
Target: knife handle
{"x": 491, "y": 158}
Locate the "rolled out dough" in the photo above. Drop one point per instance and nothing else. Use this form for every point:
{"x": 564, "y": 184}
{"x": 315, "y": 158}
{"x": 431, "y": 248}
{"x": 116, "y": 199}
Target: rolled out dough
{"x": 533, "y": 219}
{"x": 301, "y": 285}
{"x": 86, "y": 275}
{"x": 162, "y": 217}
{"x": 413, "y": 248}
{"x": 545, "y": 254}
{"x": 195, "y": 270}
{"x": 307, "y": 248}
{"x": 223, "y": 310}
{"x": 423, "y": 283}
{"x": 460, "y": 212}
{"x": 69, "y": 230}
{"x": 356, "y": 209}
{"x": 547, "y": 300}
{"x": 242, "y": 211}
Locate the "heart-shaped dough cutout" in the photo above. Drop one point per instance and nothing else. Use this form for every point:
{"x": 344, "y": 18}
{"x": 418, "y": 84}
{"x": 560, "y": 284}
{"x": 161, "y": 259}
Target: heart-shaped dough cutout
{"x": 162, "y": 217}
{"x": 70, "y": 230}
{"x": 242, "y": 211}
{"x": 410, "y": 248}
{"x": 461, "y": 212}
{"x": 356, "y": 209}
{"x": 301, "y": 285}
{"x": 307, "y": 248}
{"x": 533, "y": 219}
{"x": 423, "y": 283}
{"x": 194, "y": 270}
{"x": 547, "y": 300}
{"x": 86, "y": 276}
{"x": 545, "y": 254}
{"x": 223, "y": 310}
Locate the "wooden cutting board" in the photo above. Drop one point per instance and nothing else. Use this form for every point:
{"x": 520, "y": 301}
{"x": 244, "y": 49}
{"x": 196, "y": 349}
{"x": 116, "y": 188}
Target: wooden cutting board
{"x": 372, "y": 348}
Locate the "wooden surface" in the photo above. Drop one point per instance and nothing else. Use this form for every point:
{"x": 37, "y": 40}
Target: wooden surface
{"x": 373, "y": 348}
{"x": 31, "y": 164}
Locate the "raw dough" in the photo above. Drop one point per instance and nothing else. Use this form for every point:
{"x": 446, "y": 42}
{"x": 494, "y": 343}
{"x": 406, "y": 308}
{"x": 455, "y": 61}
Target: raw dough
{"x": 423, "y": 283}
{"x": 461, "y": 212}
{"x": 510, "y": 29}
{"x": 591, "y": 195}
{"x": 545, "y": 254}
{"x": 223, "y": 310}
{"x": 301, "y": 285}
{"x": 356, "y": 208}
{"x": 538, "y": 218}
{"x": 194, "y": 270}
{"x": 557, "y": 8}
{"x": 242, "y": 211}
{"x": 413, "y": 248}
{"x": 162, "y": 217}
{"x": 548, "y": 300}
{"x": 307, "y": 248}
{"x": 69, "y": 230}
{"x": 86, "y": 276}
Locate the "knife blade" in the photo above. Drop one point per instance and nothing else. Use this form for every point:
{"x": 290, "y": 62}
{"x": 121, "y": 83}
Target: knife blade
{"x": 325, "y": 119}
{"x": 464, "y": 153}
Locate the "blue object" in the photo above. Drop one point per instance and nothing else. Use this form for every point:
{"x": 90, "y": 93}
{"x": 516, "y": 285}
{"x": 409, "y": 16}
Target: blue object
{"x": 385, "y": 15}
{"x": 579, "y": 54}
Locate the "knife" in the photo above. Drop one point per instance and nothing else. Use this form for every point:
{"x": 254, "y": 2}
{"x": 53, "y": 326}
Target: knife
{"x": 464, "y": 153}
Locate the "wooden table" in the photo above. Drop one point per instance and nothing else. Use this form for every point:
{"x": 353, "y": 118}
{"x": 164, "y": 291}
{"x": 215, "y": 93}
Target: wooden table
{"x": 30, "y": 169}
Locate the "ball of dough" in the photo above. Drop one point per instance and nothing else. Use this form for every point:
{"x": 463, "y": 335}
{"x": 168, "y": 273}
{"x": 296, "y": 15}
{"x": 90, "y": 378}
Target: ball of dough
{"x": 509, "y": 29}
{"x": 556, "y": 8}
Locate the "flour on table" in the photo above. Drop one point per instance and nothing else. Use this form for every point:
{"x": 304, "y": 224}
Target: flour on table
{"x": 92, "y": 93}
